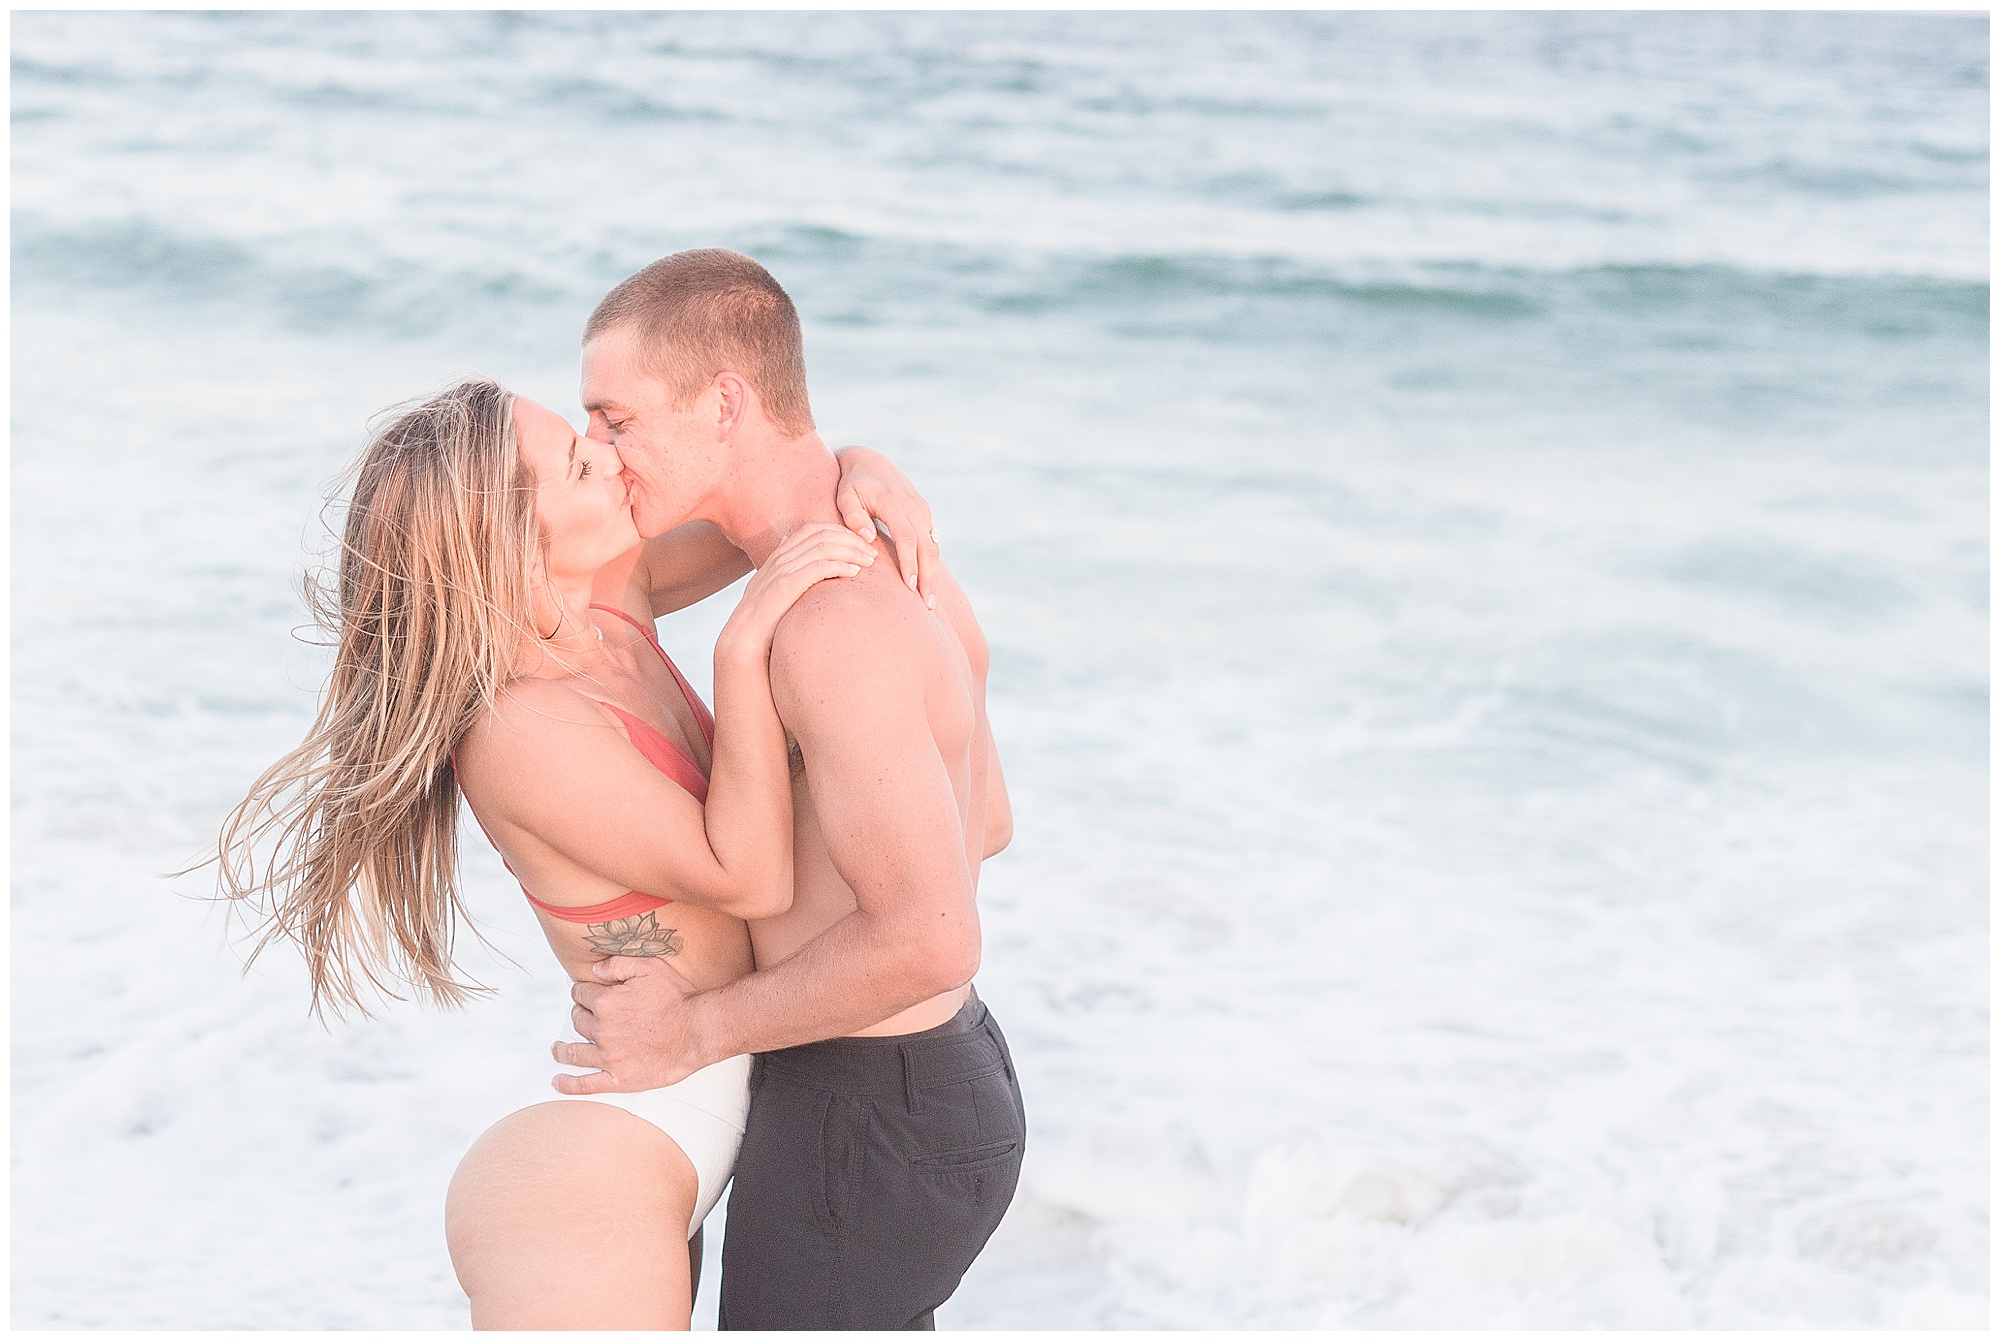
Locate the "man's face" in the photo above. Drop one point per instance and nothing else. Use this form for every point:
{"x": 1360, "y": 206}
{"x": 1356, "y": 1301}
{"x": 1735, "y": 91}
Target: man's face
{"x": 671, "y": 455}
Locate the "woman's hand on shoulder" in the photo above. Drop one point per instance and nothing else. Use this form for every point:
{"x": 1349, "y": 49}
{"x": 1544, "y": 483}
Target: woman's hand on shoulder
{"x": 872, "y": 487}
{"x": 810, "y": 555}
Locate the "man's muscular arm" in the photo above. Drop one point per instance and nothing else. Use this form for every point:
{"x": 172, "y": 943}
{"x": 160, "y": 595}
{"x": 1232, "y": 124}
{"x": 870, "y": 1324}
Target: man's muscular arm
{"x": 850, "y": 678}
{"x": 999, "y": 810}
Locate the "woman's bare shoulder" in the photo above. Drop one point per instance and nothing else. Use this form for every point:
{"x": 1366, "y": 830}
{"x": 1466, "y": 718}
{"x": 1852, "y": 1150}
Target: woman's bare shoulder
{"x": 532, "y": 721}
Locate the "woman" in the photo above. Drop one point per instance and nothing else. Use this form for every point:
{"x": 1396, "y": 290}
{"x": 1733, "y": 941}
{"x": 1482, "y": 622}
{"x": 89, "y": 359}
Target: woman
{"x": 494, "y": 617}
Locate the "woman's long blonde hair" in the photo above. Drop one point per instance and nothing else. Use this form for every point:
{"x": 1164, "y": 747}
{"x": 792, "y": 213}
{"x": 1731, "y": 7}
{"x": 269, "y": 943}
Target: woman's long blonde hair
{"x": 350, "y": 842}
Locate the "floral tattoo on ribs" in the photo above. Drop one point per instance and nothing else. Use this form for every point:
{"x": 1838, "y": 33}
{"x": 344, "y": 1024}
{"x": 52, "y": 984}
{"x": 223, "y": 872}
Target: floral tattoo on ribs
{"x": 641, "y": 936}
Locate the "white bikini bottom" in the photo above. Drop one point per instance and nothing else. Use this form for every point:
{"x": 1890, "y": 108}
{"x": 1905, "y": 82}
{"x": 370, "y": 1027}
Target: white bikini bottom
{"x": 703, "y": 1115}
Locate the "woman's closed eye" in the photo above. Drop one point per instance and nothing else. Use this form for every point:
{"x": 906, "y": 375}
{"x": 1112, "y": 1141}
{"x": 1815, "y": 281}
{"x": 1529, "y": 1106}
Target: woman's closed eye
{"x": 584, "y": 473}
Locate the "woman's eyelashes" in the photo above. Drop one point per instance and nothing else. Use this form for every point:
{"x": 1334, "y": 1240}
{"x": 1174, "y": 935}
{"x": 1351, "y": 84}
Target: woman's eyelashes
{"x": 584, "y": 473}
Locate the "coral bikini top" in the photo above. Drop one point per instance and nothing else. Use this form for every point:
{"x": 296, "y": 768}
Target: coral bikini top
{"x": 662, "y": 754}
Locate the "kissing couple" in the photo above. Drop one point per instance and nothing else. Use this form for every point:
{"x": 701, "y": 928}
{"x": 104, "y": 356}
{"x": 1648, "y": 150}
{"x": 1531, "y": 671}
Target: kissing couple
{"x": 768, "y": 912}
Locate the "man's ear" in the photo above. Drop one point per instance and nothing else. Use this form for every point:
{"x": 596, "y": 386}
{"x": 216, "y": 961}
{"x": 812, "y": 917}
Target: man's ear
{"x": 732, "y": 404}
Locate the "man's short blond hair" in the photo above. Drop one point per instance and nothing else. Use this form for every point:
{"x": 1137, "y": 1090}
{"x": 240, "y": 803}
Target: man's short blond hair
{"x": 699, "y": 313}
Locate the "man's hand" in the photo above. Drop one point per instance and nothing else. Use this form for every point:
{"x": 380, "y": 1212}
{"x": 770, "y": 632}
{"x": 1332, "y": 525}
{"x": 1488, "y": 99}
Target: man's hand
{"x": 639, "y": 1019}
{"x": 871, "y": 486}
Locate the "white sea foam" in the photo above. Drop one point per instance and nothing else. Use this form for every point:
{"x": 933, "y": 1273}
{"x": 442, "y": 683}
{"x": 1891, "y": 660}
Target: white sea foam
{"x": 1481, "y": 528}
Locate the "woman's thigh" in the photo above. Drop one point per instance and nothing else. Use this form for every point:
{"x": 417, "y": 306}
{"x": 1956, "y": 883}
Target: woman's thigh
{"x": 573, "y": 1215}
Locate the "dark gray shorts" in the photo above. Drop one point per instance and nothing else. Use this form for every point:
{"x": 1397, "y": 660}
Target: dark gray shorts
{"x": 873, "y": 1170}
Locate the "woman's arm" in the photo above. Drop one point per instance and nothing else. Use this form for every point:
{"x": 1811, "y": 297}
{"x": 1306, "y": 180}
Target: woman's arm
{"x": 691, "y": 563}
{"x": 871, "y": 486}
{"x": 555, "y": 770}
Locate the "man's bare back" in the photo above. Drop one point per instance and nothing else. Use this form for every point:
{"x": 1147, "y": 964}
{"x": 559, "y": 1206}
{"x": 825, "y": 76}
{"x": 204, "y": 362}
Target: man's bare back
{"x": 947, "y": 652}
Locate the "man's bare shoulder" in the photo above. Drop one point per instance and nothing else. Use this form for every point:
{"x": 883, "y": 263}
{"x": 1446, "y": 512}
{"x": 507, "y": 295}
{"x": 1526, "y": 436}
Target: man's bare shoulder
{"x": 853, "y": 648}
{"x": 870, "y": 617}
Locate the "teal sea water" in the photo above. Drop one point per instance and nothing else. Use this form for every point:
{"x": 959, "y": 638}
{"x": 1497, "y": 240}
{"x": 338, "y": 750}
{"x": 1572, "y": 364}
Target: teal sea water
{"x": 1482, "y": 523}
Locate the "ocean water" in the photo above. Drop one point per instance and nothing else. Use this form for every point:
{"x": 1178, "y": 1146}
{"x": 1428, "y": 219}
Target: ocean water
{"x": 1482, "y": 524}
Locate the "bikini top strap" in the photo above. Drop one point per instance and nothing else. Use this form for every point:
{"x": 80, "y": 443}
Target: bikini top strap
{"x": 651, "y": 637}
{"x": 703, "y": 718}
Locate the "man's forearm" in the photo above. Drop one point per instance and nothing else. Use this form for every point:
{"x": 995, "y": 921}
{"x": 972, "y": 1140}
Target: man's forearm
{"x": 856, "y": 973}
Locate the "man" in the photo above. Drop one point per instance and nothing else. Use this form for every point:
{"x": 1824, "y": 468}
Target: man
{"x": 886, "y": 1129}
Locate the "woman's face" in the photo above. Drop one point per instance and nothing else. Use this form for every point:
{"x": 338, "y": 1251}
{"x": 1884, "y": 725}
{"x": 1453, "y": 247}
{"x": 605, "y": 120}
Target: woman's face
{"x": 582, "y": 499}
